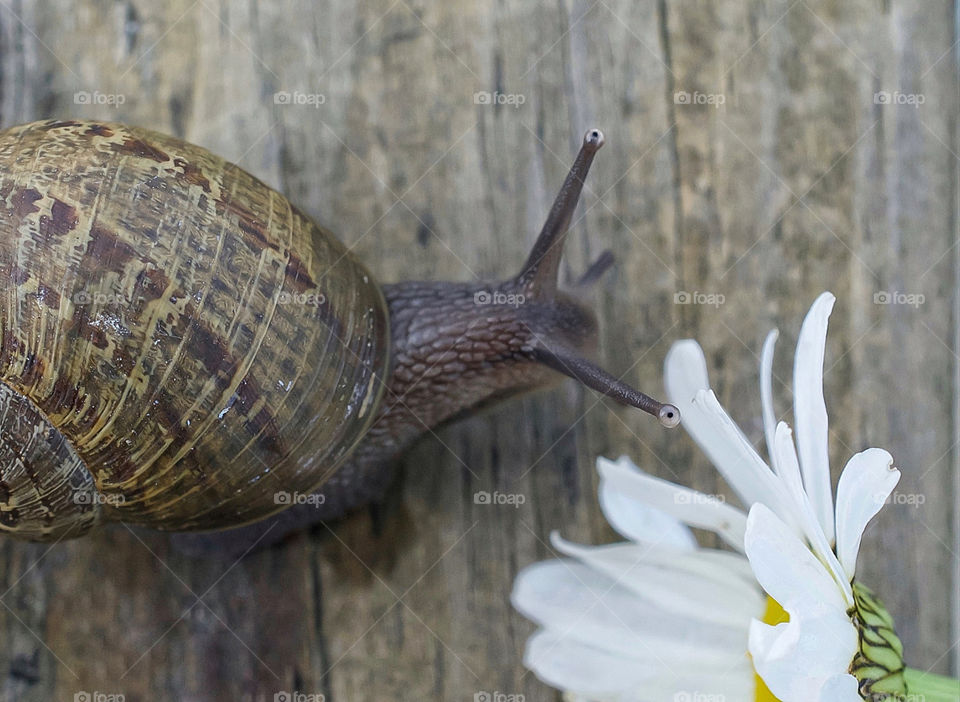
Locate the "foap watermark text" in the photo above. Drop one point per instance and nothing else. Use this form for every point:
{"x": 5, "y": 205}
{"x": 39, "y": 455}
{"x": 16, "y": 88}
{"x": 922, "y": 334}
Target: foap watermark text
{"x": 299, "y": 98}
{"x": 314, "y": 499}
{"x": 499, "y": 498}
{"x": 83, "y": 97}
{"x": 497, "y": 696}
{"x": 683, "y": 297}
{"x": 483, "y": 97}
{"x": 895, "y": 297}
{"x": 682, "y": 97}
{"x": 97, "y": 696}
{"x": 497, "y": 297}
{"x": 297, "y": 696}
{"x": 885, "y": 97}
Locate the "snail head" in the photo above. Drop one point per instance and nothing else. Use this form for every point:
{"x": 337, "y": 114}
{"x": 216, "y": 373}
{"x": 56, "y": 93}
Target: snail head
{"x": 484, "y": 342}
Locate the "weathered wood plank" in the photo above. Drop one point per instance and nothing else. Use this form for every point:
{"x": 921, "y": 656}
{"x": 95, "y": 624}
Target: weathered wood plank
{"x": 798, "y": 182}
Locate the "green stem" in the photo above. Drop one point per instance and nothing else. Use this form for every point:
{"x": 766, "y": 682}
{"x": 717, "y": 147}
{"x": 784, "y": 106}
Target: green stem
{"x": 931, "y": 687}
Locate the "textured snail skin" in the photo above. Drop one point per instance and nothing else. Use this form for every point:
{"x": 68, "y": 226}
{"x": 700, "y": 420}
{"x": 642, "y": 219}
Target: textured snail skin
{"x": 177, "y": 341}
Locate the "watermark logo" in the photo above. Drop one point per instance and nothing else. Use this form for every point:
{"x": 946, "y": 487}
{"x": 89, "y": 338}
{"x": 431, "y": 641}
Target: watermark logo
{"x": 883, "y": 297}
{"x": 497, "y": 696}
{"x": 299, "y": 98}
{"x": 98, "y": 498}
{"x": 911, "y": 499}
{"x": 499, "y": 498}
{"x": 496, "y": 297}
{"x": 885, "y": 97}
{"x": 682, "y": 97}
{"x": 682, "y": 297}
{"x": 289, "y": 499}
{"x": 482, "y": 97}
{"x": 311, "y": 299}
{"x": 697, "y": 498}
{"x": 697, "y": 696}
{"x": 97, "y": 696}
{"x": 295, "y": 696}
{"x": 84, "y": 297}
{"x": 82, "y": 97}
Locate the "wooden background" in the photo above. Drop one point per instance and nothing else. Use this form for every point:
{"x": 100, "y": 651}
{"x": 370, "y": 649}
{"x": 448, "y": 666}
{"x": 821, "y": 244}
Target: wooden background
{"x": 798, "y": 182}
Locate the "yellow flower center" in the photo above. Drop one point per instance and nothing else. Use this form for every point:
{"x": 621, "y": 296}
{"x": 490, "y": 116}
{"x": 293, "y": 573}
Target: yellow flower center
{"x": 773, "y": 615}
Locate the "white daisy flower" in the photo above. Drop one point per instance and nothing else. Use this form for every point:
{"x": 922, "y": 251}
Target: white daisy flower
{"x": 777, "y": 618}
{"x": 656, "y": 618}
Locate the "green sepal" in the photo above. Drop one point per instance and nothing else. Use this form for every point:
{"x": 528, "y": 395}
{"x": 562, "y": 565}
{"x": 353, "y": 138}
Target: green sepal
{"x": 878, "y": 663}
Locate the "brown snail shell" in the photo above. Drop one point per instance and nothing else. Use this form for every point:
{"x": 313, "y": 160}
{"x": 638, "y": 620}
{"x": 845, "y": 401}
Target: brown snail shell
{"x": 177, "y": 341}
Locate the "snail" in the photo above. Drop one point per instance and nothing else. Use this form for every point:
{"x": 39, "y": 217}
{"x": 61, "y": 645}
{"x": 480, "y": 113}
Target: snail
{"x": 180, "y": 346}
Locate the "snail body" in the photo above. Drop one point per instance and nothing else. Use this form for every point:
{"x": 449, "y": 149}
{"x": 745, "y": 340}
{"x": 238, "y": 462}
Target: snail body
{"x": 179, "y": 344}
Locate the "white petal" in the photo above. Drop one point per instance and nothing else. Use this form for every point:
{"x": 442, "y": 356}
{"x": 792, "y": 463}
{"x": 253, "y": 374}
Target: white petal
{"x": 790, "y": 474}
{"x": 635, "y": 518}
{"x": 685, "y": 373}
{"x": 704, "y": 682}
{"x": 570, "y": 665}
{"x": 763, "y": 637}
{"x": 796, "y": 658}
{"x": 819, "y": 640}
{"x": 734, "y": 456}
{"x": 766, "y": 394}
{"x": 689, "y": 506}
{"x": 565, "y": 663}
{"x": 682, "y": 586}
{"x": 687, "y": 385}
{"x": 724, "y": 567}
{"x": 805, "y": 648}
{"x": 865, "y": 484}
{"x": 787, "y": 569}
{"x": 587, "y": 606}
{"x": 788, "y": 463}
{"x": 715, "y": 562}
{"x": 810, "y": 412}
{"x": 840, "y": 688}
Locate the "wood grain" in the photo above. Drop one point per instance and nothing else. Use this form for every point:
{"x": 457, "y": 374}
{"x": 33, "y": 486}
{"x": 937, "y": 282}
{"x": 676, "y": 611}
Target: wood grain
{"x": 797, "y": 183}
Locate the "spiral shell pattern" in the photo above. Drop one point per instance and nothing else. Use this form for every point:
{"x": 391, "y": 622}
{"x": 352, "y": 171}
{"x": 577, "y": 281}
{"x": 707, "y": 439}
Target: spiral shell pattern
{"x": 178, "y": 343}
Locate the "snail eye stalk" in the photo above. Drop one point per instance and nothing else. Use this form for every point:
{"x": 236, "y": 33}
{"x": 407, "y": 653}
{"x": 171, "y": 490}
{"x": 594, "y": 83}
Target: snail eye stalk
{"x": 539, "y": 274}
{"x": 600, "y": 380}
